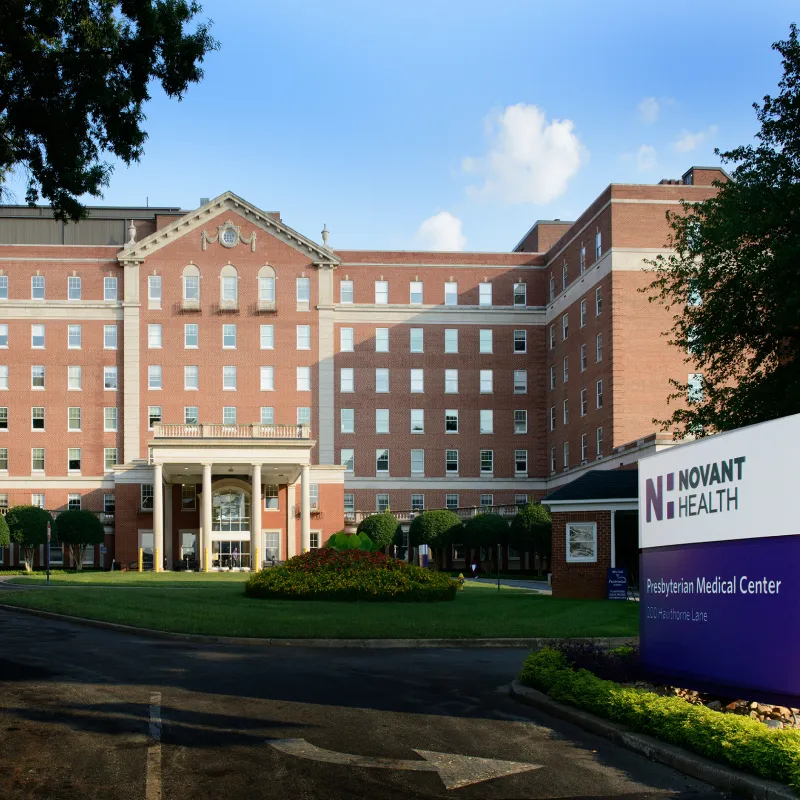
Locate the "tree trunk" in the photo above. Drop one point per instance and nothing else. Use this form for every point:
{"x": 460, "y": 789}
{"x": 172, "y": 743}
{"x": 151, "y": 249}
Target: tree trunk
{"x": 28, "y": 554}
{"x": 76, "y": 551}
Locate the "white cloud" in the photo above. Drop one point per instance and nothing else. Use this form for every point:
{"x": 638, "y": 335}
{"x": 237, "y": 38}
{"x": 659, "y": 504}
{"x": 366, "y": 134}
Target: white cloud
{"x": 646, "y": 158}
{"x": 442, "y": 231}
{"x": 649, "y": 110}
{"x": 690, "y": 141}
{"x": 530, "y": 160}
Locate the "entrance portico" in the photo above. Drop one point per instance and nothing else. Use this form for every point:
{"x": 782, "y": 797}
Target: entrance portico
{"x": 231, "y": 463}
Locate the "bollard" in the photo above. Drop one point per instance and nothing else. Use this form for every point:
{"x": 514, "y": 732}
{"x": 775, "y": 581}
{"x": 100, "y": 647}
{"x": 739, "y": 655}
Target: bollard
{"x": 256, "y": 565}
{"x": 207, "y": 561}
{"x": 156, "y": 560}
{"x": 141, "y": 558}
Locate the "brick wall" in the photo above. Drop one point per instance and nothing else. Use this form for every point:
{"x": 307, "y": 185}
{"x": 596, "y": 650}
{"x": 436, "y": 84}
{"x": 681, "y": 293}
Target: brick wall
{"x": 583, "y": 580}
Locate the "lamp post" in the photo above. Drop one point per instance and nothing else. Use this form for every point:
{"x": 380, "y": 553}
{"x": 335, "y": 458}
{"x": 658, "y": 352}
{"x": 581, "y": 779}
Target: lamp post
{"x": 47, "y": 555}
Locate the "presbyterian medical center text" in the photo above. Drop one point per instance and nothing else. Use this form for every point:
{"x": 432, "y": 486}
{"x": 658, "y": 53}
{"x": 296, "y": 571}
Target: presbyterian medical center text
{"x": 717, "y": 585}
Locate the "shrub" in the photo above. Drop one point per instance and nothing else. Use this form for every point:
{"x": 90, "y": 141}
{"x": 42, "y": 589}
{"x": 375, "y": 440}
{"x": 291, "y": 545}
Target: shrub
{"x": 381, "y": 528}
{"x": 79, "y": 529}
{"x": 351, "y": 541}
{"x": 329, "y": 574}
{"x": 741, "y": 742}
{"x": 5, "y": 535}
{"x": 485, "y": 530}
{"x": 27, "y": 526}
{"x": 435, "y": 528}
{"x": 532, "y": 530}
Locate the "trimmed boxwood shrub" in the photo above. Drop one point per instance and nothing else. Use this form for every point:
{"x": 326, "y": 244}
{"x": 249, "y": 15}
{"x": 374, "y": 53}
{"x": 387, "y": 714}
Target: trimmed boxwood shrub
{"x": 436, "y": 528}
{"x": 27, "y": 526}
{"x": 79, "y": 529}
{"x": 741, "y": 742}
{"x": 381, "y": 528}
{"x": 328, "y": 574}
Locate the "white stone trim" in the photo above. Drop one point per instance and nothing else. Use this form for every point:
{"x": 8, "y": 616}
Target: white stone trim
{"x": 625, "y": 504}
{"x": 415, "y": 265}
{"x": 451, "y": 484}
{"x": 327, "y": 474}
{"x": 57, "y": 260}
{"x": 45, "y": 482}
{"x": 133, "y": 473}
{"x": 110, "y": 310}
{"x": 438, "y": 315}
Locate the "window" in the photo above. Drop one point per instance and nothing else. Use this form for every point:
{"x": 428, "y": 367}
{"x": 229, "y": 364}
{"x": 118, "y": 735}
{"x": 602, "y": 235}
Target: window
{"x": 581, "y": 542}
{"x": 37, "y": 287}
{"x": 110, "y": 337}
{"x": 188, "y": 496}
{"x": 267, "y": 375}
{"x": 3, "y": 377}
{"x": 73, "y": 288}
{"x": 347, "y": 420}
{"x": 520, "y": 381}
{"x": 584, "y": 448}
{"x": 451, "y": 420}
{"x": 599, "y": 348}
{"x": 416, "y": 341}
{"x": 74, "y": 337}
{"x": 266, "y": 287}
{"x": 695, "y": 387}
{"x": 417, "y": 381}
{"x": 381, "y": 502}
{"x": 303, "y": 379}
{"x": 486, "y": 381}
{"x": 566, "y": 455}
{"x": 147, "y": 496}
{"x": 566, "y": 412}
{"x": 381, "y": 340}
{"x": 417, "y": 420}
{"x": 154, "y": 335}
{"x": 485, "y": 340}
{"x": 154, "y": 376}
{"x": 381, "y": 380}
{"x": 565, "y": 369}
{"x": 191, "y": 415}
{"x": 109, "y": 504}
{"x": 552, "y": 459}
{"x": 451, "y": 340}
{"x": 349, "y": 503}
{"x": 74, "y": 378}
{"x": 271, "y": 496}
{"x": 109, "y": 459}
{"x": 229, "y": 415}
{"x": 582, "y": 259}
{"x": 109, "y": 379}
{"x": 564, "y": 276}
{"x": 37, "y": 419}
{"x": 520, "y": 341}
{"x": 451, "y": 381}
{"x": 486, "y": 421}
{"x": 303, "y": 337}
{"x": 267, "y": 337}
{"x": 417, "y": 502}
{"x": 4, "y": 418}
{"x": 552, "y": 418}
{"x": 346, "y": 291}
{"x": 109, "y": 288}
{"x": 74, "y": 459}
{"x": 520, "y": 421}
{"x": 229, "y": 378}
{"x": 598, "y": 301}
{"x": 73, "y": 419}
{"x": 552, "y": 377}
{"x": 552, "y": 336}
{"x": 73, "y": 502}
{"x": 484, "y": 294}
{"x": 37, "y": 377}
{"x": 598, "y": 245}
{"x": 415, "y": 293}
{"x": 520, "y": 294}
{"x": 451, "y": 501}
{"x": 583, "y": 312}
{"x": 37, "y": 336}
{"x": 267, "y": 415}
{"x": 487, "y": 462}
{"x": 451, "y": 293}
{"x": 565, "y": 326}
{"x": 304, "y": 290}
{"x": 346, "y": 340}
{"x": 599, "y": 394}
{"x": 37, "y": 500}
{"x": 37, "y": 459}
{"x": 348, "y": 458}
{"x": 346, "y": 379}
{"x": 3, "y": 287}
{"x": 190, "y": 336}
{"x": 584, "y": 403}
{"x": 381, "y": 420}
{"x": 520, "y": 500}
{"x": 418, "y": 462}
{"x": 520, "y": 462}
{"x": 451, "y": 462}
{"x": 228, "y": 337}
{"x": 154, "y": 291}
{"x": 230, "y": 287}
{"x": 583, "y": 357}
{"x": 153, "y": 416}
{"x": 382, "y": 461}
{"x": 191, "y": 377}
{"x": 382, "y": 292}
{"x": 599, "y": 442}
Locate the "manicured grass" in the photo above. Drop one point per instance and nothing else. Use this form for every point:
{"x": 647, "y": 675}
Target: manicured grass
{"x": 216, "y": 605}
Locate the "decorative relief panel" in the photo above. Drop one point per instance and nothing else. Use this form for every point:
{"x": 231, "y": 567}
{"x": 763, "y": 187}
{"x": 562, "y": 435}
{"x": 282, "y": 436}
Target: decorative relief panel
{"x": 229, "y": 235}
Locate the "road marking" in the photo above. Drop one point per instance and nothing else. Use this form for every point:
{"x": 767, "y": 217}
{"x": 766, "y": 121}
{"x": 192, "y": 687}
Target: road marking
{"x": 152, "y": 787}
{"x": 454, "y": 770}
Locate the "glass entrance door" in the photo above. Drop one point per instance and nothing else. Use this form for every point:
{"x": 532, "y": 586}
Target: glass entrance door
{"x": 230, "y": 555}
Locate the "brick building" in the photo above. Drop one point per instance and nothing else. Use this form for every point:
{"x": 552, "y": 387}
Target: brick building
{"x": 164, "y": 367}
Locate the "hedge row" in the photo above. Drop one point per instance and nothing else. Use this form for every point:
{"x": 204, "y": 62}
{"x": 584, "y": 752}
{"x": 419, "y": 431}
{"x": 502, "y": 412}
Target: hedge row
{"x": 741, "y": 742}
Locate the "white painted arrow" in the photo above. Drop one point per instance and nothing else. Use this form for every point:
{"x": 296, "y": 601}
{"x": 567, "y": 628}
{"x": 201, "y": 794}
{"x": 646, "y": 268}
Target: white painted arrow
{"x": 454, "y": 770}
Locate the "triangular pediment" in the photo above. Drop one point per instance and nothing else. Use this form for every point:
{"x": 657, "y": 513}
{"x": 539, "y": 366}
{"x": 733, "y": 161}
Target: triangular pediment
{"x": 194, "y": 220}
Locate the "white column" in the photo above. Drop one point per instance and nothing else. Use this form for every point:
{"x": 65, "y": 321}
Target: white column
{"x": 168, "y": 532}
{"x": 158, "y": 516}
{"x": 256, "y": 539}
{"x": 305, "y": 508}
{"x": 205, "y": 538}
{"x": 291, "y": 500}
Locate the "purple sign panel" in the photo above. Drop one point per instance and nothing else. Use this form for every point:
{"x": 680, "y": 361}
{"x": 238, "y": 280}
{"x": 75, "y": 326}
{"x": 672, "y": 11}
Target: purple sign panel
{"x": 725, "y": 616}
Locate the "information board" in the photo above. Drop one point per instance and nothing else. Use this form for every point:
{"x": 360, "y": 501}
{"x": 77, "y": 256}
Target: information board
{"x": 617, "y": 583}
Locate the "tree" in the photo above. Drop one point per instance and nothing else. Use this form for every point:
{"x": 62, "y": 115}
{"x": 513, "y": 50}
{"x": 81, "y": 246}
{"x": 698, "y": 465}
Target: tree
{"x": 732, "y": 279}
{"x": 28, "y": 528}
{"x": 532, "y": 531}
{"x": 74, "y": 75}
{"x": 485, "y": 530}
{"x": 435, "y": 528}
{"x": 381, "y": 528}
{"x": 79, "y": 530}
{"x": 5, "y": 536}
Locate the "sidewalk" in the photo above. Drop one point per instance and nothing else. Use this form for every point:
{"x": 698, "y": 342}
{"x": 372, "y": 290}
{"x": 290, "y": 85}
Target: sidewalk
{"x": 539, "y": 586}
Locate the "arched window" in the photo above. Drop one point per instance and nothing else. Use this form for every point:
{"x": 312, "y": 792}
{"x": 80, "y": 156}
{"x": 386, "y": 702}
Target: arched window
{"x": 230, "y": 510}
{"x": 266, "y": 288}
{"x": 229, "y": 287}
{"x": 191, "y": 286}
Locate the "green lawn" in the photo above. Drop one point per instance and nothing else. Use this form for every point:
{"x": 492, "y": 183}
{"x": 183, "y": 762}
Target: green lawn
{"x": 216, "y": 605}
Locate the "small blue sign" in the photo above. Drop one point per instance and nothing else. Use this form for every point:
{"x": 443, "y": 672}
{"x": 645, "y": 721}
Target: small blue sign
{"x": 617, "y": 583}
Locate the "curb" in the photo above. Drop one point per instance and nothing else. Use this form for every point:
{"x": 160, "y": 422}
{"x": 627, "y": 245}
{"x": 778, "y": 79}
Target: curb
{"x": 700, "y": 767}
{"x": 365, "y": 644}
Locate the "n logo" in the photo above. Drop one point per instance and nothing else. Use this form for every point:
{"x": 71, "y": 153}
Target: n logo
{"x": 654, "y": 497}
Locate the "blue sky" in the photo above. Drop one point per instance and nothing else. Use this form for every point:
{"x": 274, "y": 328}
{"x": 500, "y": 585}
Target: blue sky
{"x": 375, "y": 117}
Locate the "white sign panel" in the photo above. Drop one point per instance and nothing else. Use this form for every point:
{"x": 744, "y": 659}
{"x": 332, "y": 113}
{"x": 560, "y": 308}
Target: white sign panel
{"x": 737, "y": 485}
